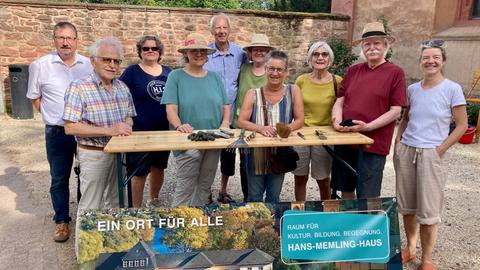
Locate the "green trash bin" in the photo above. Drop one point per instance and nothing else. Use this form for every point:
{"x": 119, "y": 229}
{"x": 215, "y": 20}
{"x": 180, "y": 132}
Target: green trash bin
{"x": 21, "y": 106}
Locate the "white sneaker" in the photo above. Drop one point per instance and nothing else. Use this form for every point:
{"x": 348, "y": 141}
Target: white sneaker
{"x": 155, "y": 203}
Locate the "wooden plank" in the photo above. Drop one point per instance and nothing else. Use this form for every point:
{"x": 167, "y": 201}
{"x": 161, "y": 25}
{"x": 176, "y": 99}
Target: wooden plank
{"x": 343, "y": 266}
{"x": 174, "y": 140}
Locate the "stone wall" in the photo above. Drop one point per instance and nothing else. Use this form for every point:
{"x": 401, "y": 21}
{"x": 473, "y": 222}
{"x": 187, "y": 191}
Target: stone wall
{"x": 26, "y": 29}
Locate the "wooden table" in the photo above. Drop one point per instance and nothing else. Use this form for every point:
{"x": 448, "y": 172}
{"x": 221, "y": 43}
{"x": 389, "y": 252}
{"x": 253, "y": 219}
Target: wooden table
{"x": 148, "y": 141}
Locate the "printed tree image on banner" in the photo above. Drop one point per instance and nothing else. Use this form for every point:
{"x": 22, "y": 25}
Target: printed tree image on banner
{"x": 337, "y": 234}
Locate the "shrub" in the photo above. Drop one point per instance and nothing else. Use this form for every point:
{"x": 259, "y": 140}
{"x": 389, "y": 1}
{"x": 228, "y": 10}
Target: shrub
{"x": 472, "y": 112}
{"x": 343, "y": 55}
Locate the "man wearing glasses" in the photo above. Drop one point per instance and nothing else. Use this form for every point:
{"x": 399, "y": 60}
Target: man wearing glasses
{"x": 98, "y": 107}
{"x": 49, "y": 77}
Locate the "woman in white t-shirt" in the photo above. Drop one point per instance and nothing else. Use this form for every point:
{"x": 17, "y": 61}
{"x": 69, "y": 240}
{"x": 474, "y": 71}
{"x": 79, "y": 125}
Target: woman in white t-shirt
{"x": 422, "y": 140}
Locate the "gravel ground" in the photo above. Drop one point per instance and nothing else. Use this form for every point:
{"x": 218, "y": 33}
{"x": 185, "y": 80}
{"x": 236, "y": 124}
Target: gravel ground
{"x": 458, "y": 246}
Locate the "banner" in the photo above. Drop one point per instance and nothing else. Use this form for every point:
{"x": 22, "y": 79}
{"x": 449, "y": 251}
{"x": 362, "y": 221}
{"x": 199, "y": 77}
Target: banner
{"x": 328, "y": 235}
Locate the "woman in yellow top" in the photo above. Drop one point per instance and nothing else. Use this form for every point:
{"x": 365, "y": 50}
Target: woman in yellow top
{"x": 319, "y": 93}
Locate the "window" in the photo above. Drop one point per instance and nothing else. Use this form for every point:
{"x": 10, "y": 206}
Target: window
{"x": 476, "y": 9}
{"x": 468, "y": 13}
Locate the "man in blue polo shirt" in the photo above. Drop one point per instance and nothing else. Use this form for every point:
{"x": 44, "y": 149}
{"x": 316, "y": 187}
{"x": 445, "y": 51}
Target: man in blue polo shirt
{"x": 226, "y": 61}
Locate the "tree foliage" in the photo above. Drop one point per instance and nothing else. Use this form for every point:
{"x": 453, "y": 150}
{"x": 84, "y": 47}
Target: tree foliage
{"x": 388, "y": 30}
{"x": 302, "y": 5}
{"x": 256, "y": 4}
{"x": 343, "y": 55}
{"x": 188, "y": 237}
{"x": 279, "y": 5}
{"x": 93, "y": 245}
{"x": 216, "y": 4}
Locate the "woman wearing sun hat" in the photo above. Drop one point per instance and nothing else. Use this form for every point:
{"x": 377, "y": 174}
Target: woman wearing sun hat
{"x": 371, "y": 95}
{"x": 252, "y": 75}
{"x": 422, "y": 140}
{"x": 195, "y": 99}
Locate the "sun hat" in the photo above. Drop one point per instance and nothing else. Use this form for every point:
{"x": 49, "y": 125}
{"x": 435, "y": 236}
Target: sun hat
{"x": 373, "y": 29}
{"x": 259, "y": 40}
{"x": 195, "y": 41}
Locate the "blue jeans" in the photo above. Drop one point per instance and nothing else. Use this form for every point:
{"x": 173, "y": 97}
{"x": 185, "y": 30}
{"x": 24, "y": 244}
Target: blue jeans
{"x": 271, "y": 184}
{"x": 60, "y": 151}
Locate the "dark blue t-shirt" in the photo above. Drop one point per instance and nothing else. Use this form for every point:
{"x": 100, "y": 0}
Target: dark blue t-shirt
{"x": 147, "y": 92}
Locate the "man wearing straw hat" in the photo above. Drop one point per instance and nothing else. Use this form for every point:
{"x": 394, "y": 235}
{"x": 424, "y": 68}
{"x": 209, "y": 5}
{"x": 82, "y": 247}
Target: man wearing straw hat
{"x": 226, "y": 61}
{"x": 371, "y": 95}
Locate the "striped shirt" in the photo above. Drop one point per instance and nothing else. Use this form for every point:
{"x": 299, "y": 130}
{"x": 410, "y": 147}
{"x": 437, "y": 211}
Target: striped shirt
{"x": 86, "y": 101}
{"x": 280, "y": 112}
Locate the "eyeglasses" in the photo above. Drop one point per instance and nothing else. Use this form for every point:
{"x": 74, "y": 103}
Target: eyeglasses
{"x": 434, "y": 43}
{"x": 107, "y": 60}
{"x": 153, "y": 49}
{"x": 323, "y": 54}
{"x": 68, "y": 39}
{"x": 273, "y": 69}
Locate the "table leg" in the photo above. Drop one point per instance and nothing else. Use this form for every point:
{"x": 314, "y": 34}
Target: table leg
{"x": 121, "y": 200}
{"x": 360, "y": 172}
{"x": 128, "y": 179}
{"x": 129, "y": 194}
{"x": 329, "y": 150}
{"x": 336, "y": 157}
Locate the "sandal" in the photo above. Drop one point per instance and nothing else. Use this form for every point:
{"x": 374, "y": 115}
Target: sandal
{"x": 427, "y": 266}
{"x": 225, "y": 198}
{"x": 406, "y": 256}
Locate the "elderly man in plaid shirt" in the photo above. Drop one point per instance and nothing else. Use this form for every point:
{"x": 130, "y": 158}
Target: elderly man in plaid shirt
{"x": 98, "y": 107}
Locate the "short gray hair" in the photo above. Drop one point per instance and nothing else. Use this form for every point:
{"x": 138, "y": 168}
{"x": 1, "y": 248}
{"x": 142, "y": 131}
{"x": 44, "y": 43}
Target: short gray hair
{"x": 214, "y": 18}
{"x": 277, "y": 55}
{"x": 106, "y": 41}
{"x": 63, "y": 25}
{"x": 387, "y": 45}
{"x": 315, "y": 46}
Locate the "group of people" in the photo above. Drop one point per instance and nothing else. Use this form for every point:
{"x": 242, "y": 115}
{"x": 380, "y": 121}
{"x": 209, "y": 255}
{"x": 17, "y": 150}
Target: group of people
{"x": 222, "y": 85}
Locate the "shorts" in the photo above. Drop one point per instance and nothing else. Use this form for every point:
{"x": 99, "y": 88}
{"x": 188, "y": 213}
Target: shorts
{"x": 227, "y": 162}
{"x": 371, "y": 172}
{"x": 318, "y": 157}
{"x": 153, "y": 159}
{"x": 420, "y": 182}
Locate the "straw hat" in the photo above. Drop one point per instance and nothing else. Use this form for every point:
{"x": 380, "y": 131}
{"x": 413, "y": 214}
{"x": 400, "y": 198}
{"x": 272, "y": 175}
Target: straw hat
{"x": 259, "y": 40}
{"x": 373, "y": 29}
{"x": 195, "y": 41}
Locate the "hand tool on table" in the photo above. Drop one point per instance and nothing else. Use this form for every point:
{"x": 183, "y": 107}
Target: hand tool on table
{"x": 238, "y": 143}
{"x": 301, "y": 135}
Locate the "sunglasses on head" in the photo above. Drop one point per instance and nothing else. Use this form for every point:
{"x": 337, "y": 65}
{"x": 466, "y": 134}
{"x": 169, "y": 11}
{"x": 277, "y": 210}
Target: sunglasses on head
{"x": 323, "y": 54}
{"x": 434, "y": 43}
{"x": 153, "y": 49}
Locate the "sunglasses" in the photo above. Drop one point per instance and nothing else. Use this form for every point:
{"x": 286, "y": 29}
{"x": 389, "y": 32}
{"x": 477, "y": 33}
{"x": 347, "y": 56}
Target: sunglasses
{"x": 434, "y": 43}
{"x": 107, "y": 60}
{"x": 323, "y": 54}
{"x": 153, "y": 49}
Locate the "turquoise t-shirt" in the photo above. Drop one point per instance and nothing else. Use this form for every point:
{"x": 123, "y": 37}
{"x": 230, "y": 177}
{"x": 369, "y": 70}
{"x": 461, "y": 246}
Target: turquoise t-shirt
{"x": 200, "y": 100}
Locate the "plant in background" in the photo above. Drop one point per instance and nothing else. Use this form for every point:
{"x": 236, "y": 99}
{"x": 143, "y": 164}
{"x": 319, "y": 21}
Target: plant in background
{"x": 472, "y": 112}
{"x": 302, "y": 5}
{"x": 343, "y": 55}
{"x": 384, "y": 21}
